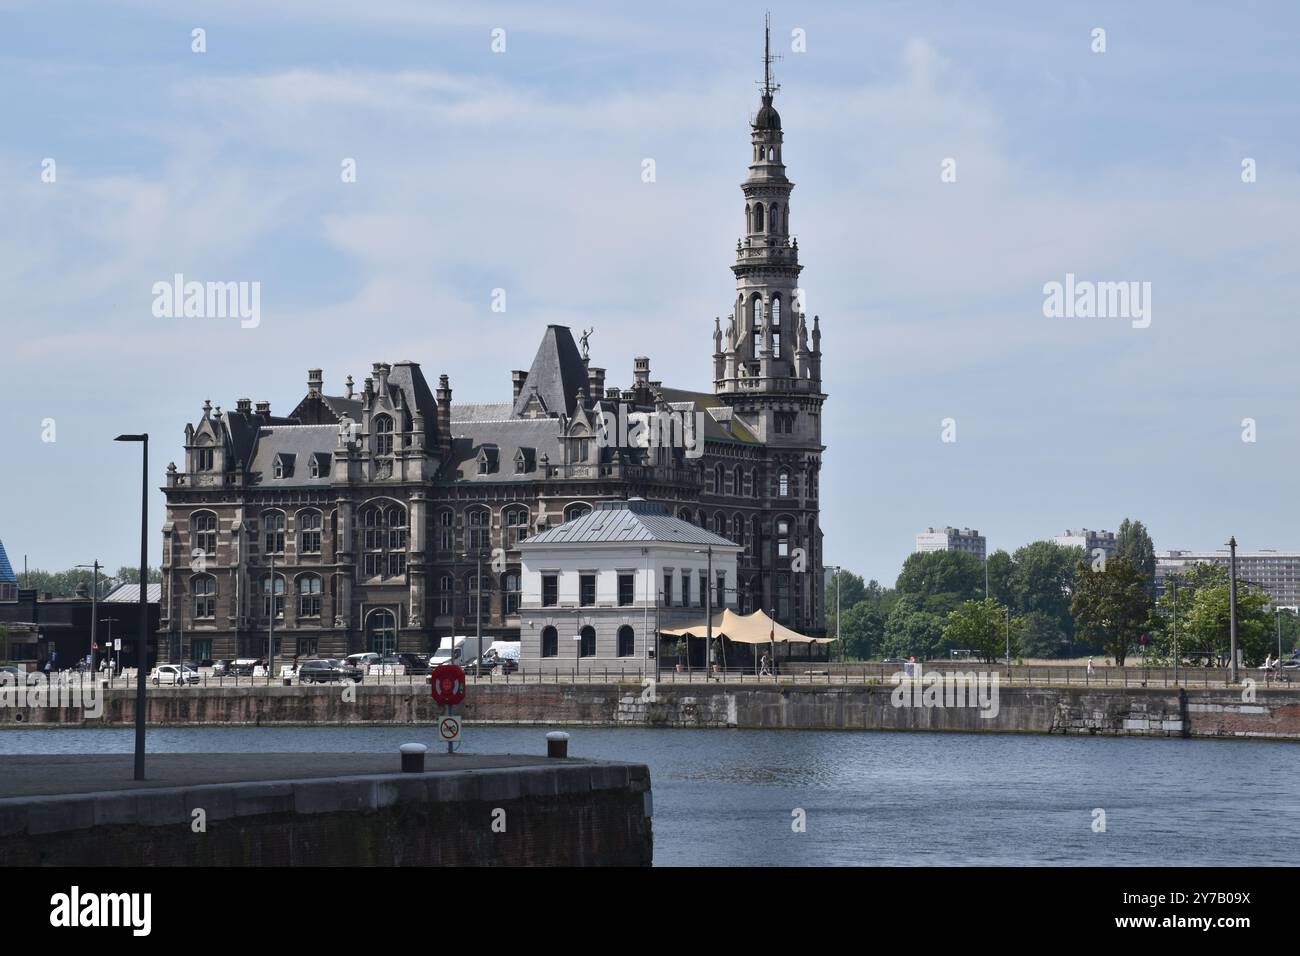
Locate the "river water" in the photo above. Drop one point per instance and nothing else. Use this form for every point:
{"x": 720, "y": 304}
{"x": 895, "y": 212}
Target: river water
{"x": 733, "y": 797}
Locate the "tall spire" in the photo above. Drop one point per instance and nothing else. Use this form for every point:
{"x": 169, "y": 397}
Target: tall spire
{"x": 768, "y": 86}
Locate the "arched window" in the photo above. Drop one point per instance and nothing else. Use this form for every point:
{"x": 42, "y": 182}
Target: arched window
{"x": 684, "y": 514}
{"x": 511, "y": 593}
{"x": 268, "y": 598}
{"x": 550, "y": 642}
{"x": 758, "y": 217}
{"x": 776, "y": 311}
{"x": 446, "y": 585}
{"x": 309, "y": 595}
{"x": 480, "y": 528}
{"x": 273, "y": 528}
{"x": 587, "y": 644}
{"x": 749, "y": 218}
{"x": 758, "y": 312}
{"x": 774, "y": 220}
{"x": 626, "y": 641}
{"x": 473, "y": 596}
{"x": 783, "y": 538}
{"x": 783, "y": 484}
{"x": 383, "y": 435}
{"x": 203, "y": 532}
{"x": 576, "y": 511}
{"x": 446, "y": 530}
{"x": 381, "y": 632}
{"x": 738, "y": 529}
{"x": 308, "y": 532}
{"x": 204, "y": 587}
{"x": 720, "y": 524}
{"x": 718, "y": 476}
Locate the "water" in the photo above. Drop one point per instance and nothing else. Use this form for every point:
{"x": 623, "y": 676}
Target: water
{"x": 726, "y": 797}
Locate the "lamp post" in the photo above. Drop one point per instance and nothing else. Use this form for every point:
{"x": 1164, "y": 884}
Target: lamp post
{"x": 142, "y": 642}
{"x": 1173, "y": 581}
{"x": 270, "y": 625}
{"x": 478, "y": 607}
{"x": 708, "y": 611}
{"x": 838, "y": 639}
{"x": 94, "y": 605}
{"x": 1232, "y": 605}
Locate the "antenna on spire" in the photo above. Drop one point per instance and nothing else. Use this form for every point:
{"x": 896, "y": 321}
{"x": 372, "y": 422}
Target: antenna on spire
{"x": 768, "y": 86}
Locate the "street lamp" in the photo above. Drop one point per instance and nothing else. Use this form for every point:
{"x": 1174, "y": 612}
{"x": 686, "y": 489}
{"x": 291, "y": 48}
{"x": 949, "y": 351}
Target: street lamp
{"x": 838, "y": 640}
{"x": 1232, "y": 605}
{"x": 94, "y": 605}
{"x": 478, "y": 606}
{"x": 1278, "y": 614}
{"x": 142, "y": 646}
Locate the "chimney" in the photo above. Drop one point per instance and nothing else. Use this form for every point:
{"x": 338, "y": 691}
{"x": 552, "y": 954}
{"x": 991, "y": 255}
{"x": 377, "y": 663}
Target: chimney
{"x": 641, "y": 372}
{"x": 612, "y": 393}
{"x": 348, "y": 383}
{"x": 314, "y": 382}
{"x": 244, "y": 406}
{"x": 517, "y": 379}
{"x": 264, "y": 410}
{"x": 444, "y": 414}
{"x": 381, "y": 370}
{"x": 595, "y": 381}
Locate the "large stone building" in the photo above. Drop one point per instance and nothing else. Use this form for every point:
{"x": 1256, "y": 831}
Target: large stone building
{"x": 358, "y": 520}
{"x": 968, "y": 540}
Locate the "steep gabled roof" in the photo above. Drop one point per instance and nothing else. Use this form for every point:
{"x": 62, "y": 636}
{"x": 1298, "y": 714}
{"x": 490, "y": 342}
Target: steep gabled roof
{"x": 7, "y": 575}
{"x": 557, "y": 374}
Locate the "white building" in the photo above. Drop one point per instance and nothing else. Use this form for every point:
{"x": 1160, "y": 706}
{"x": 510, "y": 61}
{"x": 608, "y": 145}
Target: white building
{"x": 952, "y": 539}
{"x": 1277, "y": 572}
{"x": 1090, "y": 541}
{"x": 596, "y": 589}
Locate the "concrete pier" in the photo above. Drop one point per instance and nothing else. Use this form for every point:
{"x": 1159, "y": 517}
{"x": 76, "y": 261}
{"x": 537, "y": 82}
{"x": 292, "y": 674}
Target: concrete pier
{"x": 323, "y": 810}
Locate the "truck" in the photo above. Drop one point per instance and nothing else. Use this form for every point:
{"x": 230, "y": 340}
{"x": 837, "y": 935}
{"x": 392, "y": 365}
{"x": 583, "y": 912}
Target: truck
{"x": 456, "y": 650}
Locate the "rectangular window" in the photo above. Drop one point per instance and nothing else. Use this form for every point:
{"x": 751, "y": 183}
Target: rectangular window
{"x": 587, "y": 590}
{"x": 686, "y": 589}
{"x": 205, "y": 459}
{"x": 201, "y": 650}
{"x": 550, "y": 590}
{"x": 668, "y": 588}
{"x": 309, "y": 605}
{"x": 626, "y": 590}
{"x": 720, "y": 597}
{"x": 374, "y": 565}
{"x": 704, "y": 589}
{"x": 396, "y": 564}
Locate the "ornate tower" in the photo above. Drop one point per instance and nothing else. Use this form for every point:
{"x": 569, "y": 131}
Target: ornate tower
{"x": 767, "y": 360}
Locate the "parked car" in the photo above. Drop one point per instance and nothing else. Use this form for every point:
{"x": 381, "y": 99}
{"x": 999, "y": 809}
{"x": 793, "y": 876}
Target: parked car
{"x": 325, "y": 670}
{"x": 415, "y": 663}
{"x": 243, "y": 666}
{"x": 363, "y": 660}
{"x": 174, "y": 674}
{"x": 19, "y": 673}
{"x": 221, "y": 668}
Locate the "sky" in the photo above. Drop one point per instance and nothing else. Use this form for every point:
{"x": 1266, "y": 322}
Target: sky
{"x": 521, "y": 170}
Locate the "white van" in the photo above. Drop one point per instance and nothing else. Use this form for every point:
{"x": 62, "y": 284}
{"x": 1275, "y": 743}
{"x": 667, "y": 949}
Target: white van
{"x": 456, "y": 650}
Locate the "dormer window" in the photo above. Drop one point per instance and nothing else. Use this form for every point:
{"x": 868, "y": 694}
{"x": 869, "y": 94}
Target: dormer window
{"x": 319, "y": 466}
{"x": 282, "y": 467}
{"x": 279, "y": 468}
{"x": 487, "y": 460}
{"x": 203, "y": 459}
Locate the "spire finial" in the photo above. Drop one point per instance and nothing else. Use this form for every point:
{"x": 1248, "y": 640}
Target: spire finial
{"x": 768, "y": 86}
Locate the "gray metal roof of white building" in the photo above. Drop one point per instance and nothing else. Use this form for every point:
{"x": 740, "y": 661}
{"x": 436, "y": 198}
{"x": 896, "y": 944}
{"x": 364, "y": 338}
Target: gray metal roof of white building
{"x": 633, "y": 520}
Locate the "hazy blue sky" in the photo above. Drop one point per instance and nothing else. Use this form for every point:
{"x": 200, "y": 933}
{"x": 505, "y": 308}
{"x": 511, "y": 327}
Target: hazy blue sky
{"x": 522, "y": 170}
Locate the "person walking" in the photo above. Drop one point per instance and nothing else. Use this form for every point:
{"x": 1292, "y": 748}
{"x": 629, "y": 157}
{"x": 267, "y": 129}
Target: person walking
{"x": 1090, "y": 667}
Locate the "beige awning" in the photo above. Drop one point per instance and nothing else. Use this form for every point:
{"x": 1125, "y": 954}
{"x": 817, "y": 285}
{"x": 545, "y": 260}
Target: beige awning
{"x": 756, "y": 628}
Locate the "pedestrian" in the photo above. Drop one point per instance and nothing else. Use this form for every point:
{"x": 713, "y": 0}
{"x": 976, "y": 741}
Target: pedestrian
{"x": 1090, "y": 667}
{"x": 765, "y": 669}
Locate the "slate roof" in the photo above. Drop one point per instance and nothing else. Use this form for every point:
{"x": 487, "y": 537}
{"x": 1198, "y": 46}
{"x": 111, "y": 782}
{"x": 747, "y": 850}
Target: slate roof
{"x": 719, "y": 424}
{"x": 301, "y": 441}
{"x": 407, "y": 376}
{"x": 480, "y": 412}
{"x": 7, "y": 575}
{"x": 130, "y": 594}
{"x": 634, "y": 520}
{"x": 539, "y": 436}
{"x": 557, "y": 373}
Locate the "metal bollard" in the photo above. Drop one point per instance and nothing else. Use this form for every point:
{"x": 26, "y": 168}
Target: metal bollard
{"x": 557, "y": 744}
{"x": 413, "y": 758}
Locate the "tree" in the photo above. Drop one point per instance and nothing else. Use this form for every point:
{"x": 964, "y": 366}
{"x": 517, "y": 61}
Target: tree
{"x": 980, "y": 626}
{"x": 1001, "y": 569}
{"x": 1162, "y": 624}
{"x": 1111, "y": 606}
{"x": 852, "y": 590}
{"x": 940, "y": 580}
{"x": 1042, "y": 636}
{"x": 1134, "y": 544}
{"x": 1208, "y": 622}
{"x": 863, "y": 630}
{"x": 1042, "y": 583}
{"x": 912, "y": 631}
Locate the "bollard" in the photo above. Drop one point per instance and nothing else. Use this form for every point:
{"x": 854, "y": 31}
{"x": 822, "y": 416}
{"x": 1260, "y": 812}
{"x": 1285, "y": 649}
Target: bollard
{"x": 413, "y": 758}
{"x": 557, "y": 744}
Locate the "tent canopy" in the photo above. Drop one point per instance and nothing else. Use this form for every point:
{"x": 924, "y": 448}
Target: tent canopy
{"x": 756, "y": 628}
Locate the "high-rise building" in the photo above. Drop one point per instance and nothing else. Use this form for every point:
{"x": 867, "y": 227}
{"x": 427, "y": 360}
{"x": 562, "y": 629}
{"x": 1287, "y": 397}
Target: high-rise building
{"x": 1276, "y": 572}
{"x": 952, "y": 539}
{"x": 1090, "y": 541}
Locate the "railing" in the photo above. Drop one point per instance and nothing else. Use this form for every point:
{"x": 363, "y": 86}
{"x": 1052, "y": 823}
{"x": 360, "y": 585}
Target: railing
{"x": 788, "y": 672}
